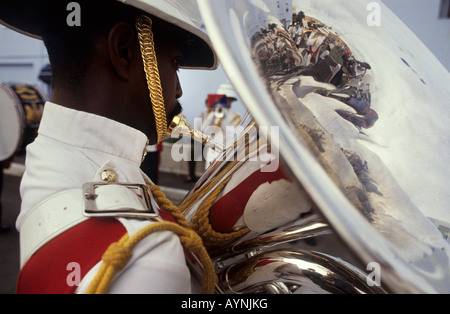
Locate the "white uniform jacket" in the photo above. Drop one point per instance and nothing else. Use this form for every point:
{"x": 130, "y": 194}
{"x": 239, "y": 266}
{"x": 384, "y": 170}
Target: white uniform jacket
{"x": 73, "y": 148}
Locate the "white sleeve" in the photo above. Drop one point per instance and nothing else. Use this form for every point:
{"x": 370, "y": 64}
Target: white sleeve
{"x": 157, "y": 266}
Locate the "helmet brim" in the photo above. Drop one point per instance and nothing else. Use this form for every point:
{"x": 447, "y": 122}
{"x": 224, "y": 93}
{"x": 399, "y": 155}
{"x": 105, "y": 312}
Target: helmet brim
{"x": 33, "y": 17}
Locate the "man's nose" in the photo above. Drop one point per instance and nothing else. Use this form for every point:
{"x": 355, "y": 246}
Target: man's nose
{"x": 179, "y": 90}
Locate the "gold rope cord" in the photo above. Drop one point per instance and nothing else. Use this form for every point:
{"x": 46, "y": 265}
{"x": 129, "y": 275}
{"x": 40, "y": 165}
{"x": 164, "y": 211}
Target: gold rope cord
{"x": 119, "y": 253}
{"x": 200, "y": 222}
{"x": 203, "y": 228}
{"x": 145, "y": 35}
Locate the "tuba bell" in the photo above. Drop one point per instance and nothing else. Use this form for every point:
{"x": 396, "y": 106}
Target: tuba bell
{"x": 317, "y": 190}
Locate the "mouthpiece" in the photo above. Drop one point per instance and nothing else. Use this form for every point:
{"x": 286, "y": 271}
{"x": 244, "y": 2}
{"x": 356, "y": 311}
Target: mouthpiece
{"x": 180, "y": 122}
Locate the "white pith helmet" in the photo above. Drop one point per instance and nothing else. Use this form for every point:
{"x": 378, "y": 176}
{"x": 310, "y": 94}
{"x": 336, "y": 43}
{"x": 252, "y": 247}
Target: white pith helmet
{"x": 227, "y": 90}
{"x": 28, "y": 17}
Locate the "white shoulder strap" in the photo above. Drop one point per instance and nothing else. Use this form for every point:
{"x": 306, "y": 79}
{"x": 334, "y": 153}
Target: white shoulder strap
{"x": 66, "y": 209}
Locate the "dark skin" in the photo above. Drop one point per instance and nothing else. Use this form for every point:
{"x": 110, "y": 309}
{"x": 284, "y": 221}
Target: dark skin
{"x": 115, "y": 86}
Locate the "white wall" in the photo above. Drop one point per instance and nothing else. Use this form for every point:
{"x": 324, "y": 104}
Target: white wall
{"x": 21, "y": 58}
{"x": 422, "y": 17}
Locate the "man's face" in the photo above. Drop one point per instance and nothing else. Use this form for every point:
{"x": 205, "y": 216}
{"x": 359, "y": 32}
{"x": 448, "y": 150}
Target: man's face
{"x": 169, "y": 54}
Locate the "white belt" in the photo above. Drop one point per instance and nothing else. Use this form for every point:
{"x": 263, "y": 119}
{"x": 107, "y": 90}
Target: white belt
{"x": 69, "y": 208}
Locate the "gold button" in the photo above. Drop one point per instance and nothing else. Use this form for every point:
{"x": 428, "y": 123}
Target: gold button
{"x": 109, "y": 176}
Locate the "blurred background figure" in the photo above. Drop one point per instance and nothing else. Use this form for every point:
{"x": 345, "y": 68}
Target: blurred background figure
{"x": 219, "y": 114}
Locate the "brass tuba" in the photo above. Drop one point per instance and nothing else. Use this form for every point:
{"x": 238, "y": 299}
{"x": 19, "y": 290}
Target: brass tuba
{"x": 330, "y": 185}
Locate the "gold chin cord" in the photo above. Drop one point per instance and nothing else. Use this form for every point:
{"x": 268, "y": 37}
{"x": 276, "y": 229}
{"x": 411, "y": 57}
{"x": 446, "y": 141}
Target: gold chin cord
{"x": 145, "y": 34}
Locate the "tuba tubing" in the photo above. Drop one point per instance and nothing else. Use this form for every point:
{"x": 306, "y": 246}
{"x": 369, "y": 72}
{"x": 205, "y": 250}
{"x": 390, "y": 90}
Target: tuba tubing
{"x": 259, "y": 262}
{"x": 319, "y": 272}
{"x": 304, "y": 228}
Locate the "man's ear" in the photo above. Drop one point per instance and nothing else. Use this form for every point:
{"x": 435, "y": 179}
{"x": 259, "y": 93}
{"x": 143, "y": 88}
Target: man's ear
{"x": 122, "y": 48}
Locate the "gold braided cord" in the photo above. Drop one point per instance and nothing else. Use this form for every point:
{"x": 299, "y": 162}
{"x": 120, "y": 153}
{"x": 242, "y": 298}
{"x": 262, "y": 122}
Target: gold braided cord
{"x": 119, "y": 253}
{"x": 200, "y": 221}
{"x": 202, "y": 191}
{"x": 164, "y": 203}
{"x": 202, "y": 226}
{"x": 145, "y": 34}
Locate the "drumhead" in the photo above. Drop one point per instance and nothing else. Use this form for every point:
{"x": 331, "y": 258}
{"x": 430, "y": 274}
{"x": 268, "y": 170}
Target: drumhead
{"x": 11, "y": 128}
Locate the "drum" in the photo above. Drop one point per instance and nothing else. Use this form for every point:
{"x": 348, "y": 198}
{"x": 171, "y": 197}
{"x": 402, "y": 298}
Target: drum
{"x": 21, "y": 107}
